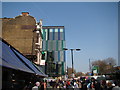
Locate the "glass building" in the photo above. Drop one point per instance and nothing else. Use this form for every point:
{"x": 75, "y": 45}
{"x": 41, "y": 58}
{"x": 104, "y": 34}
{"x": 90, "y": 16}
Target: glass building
{"x": 53, "y": 53}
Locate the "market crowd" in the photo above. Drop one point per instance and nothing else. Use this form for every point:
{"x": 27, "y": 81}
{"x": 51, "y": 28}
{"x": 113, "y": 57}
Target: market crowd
{"x": 77, "y": 84}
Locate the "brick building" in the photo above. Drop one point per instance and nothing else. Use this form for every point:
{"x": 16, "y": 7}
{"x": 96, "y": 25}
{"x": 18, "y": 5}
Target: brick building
{"x": 20, "y": 33}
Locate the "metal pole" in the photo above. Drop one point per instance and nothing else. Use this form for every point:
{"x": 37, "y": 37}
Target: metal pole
{"x": 89, "y": 65}
{"x": 72, "y": 61}
{"x": 72, "y": 58}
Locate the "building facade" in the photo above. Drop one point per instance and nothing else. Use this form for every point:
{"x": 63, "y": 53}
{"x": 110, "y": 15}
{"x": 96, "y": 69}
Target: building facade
{"x": 54, "y": 55}
{"x": 20, "y": 32}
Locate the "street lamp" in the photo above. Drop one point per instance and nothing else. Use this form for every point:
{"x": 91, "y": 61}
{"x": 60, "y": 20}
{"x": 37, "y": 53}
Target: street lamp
{"x": 72, "y": 58}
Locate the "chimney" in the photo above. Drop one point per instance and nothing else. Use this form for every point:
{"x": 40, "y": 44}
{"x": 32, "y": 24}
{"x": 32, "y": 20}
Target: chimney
{"x": 25, "y": 13}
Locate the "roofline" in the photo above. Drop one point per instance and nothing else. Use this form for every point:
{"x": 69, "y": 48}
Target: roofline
{"x": 52, "y": 27}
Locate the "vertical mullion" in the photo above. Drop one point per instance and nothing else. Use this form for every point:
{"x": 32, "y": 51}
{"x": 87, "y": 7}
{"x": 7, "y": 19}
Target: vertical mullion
{"x": 58, "y": 33}
{"x": 53, "y": 37}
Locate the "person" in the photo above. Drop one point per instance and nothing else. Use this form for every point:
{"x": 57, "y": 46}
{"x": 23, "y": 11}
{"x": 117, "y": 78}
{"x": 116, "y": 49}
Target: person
{"x": 103, "y": 85}
{"x": 68, "y": 85}
{"x": 89, "y": 86}
{"x": 43, "y": 85}
{"x": 37, "y": 86}
{"x": 116, "y": 87}
{"x": 64, "y": 86}
{"x": 75, "y": 84}
{"x": 28, "y": 86}
{"x": 97, "y": 85}
{"x": 79, "y": 84}
{"x": 109, "y": 85}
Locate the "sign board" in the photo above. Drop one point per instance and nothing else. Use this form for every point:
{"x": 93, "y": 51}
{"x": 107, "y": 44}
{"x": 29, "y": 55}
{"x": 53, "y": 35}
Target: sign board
{"x": 95, "y": 69}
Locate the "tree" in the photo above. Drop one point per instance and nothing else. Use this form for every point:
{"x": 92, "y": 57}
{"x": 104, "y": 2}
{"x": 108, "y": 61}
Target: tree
{"x": 101, "y": 64}
{"x": 79, "y": 74}
{"x": 105, "y": 66}
{"x": 110, "y": 61}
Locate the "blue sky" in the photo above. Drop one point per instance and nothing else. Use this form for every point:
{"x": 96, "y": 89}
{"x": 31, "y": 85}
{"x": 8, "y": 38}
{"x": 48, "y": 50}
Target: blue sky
{"x": 90, "y": 26}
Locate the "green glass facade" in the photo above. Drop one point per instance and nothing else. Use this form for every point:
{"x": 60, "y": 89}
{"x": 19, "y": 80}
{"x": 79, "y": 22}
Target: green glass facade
{"x": 53, "y": 44}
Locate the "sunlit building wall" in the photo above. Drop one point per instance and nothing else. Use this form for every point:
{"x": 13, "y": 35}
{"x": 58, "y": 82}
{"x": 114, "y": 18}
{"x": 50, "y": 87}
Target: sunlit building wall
{"x": 20, "y": 33}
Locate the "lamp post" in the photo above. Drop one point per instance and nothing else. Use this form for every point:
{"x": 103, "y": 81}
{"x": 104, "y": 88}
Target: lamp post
{"x": 72, "y": 58}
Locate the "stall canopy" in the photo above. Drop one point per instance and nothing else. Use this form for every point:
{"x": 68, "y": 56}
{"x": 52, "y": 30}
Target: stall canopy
{"x": 29, "y": 64}
{"x": 11, "y": 58}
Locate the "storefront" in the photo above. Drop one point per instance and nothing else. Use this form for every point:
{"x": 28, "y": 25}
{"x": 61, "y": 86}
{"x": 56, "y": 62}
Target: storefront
{"x": 17, "y": 70}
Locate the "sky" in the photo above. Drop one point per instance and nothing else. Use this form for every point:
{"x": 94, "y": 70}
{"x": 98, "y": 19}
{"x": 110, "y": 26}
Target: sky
{"x": 89, "y": 26}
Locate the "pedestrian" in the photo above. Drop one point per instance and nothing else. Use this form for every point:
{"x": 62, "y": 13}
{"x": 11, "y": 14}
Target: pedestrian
{"x": 68, "y": 85}
{"x": 79, "y": 85}
{"x": 97, "y": 85}
{"x": 37, "y": 86}
{"x": 89, "y": 86}
{"x": 103, "y": 85}
{"x": 42, "y": 86}
{"x": 64, "y": 86}
{"x": 109, "y": 85}
{"x": 75, "y": 84}
{"x": 116, "y": 87}
{"x": 84, "y": 86}
{"x": 28, "y": 86}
